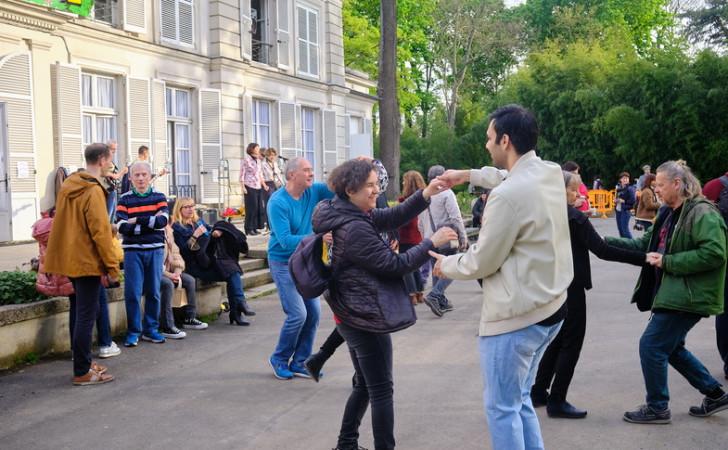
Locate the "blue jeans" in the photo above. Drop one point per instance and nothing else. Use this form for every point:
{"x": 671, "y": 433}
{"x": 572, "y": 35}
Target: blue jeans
{"x": 111, "y": 201}
{"x": 509, "y": 362}
{"x": 295, "y": 343}
{"x": 235, "y": 288}
{"x": 663, "y": 342}
{"x": 142, "y": 275}
{"x": 623, "y": 224}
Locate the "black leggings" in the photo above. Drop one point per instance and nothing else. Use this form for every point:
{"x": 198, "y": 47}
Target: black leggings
{"x": 371, "y": 354}
{"x": 559, "y": 360}
{"x": 87, "y": 309}
{"x": 721, "y": 331}
{"x": 253, "y": 209}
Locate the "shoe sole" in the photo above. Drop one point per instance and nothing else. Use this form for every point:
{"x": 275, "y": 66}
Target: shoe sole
{"x": 173, "y": 336}
{"x": 194, "y": 327}
{"x": 650, "y": 422}
{"x": 275, "y": 374}
{"x": 152, "y": 340}
{"x": 435, "y": 309}
{"x": 301, "y": 375}
{"x": 719, "y": 409}
{"x": 565, "y": 416}
{"x": 92, "y": 383}
{"x": 131, "y": 344}
{"x": 109, "y": 355}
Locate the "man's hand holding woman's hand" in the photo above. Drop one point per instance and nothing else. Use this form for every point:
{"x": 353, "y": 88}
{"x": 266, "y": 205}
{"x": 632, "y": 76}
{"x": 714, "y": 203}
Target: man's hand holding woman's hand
{"x": 654, "y": 259}
{"x": 435, "y": 187}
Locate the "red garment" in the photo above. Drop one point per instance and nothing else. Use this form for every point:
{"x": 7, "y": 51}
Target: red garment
{"x": 711, "y": 189}
{"x": 584, "y": 193}
{"x": 409, "y": 233}
{"x": 48, "y": 284}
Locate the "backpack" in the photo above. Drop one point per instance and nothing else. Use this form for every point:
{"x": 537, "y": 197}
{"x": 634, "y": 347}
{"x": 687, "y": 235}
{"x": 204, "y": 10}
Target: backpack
{"x": 722, "y": 202}
{"x": 309, "y": 266}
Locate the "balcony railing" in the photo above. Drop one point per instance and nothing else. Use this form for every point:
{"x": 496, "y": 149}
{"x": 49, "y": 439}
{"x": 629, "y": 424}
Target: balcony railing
{"x": 184, "y": 190}
{"x": 261, "y": 51}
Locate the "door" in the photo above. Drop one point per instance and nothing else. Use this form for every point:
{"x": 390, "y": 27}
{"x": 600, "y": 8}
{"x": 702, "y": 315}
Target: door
{"x": 5, "y": 224}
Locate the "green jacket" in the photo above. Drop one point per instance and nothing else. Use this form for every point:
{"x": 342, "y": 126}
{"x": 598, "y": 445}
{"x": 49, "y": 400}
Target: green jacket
{"x": 693, "y": 267}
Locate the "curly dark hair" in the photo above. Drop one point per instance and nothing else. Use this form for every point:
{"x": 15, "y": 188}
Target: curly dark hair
{"x": 350, "y": 176}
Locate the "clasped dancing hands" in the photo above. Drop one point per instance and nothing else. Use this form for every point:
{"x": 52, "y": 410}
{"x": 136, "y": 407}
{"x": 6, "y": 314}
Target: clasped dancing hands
{"x": 654, "y": 259}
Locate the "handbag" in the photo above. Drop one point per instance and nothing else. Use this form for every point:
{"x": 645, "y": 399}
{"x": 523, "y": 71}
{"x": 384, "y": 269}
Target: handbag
{"x": 179, "y": 298}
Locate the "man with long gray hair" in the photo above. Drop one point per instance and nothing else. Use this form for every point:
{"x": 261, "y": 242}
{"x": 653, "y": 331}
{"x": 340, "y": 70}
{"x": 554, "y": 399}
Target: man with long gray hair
{"x": 683, "y": 283}
{"x": 289, "y": 216}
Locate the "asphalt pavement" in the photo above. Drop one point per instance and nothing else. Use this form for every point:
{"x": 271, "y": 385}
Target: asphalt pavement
{"x": 215, "y": 389}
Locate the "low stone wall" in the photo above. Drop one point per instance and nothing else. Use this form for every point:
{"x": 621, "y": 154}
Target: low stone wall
{"x": 42, "y": 327}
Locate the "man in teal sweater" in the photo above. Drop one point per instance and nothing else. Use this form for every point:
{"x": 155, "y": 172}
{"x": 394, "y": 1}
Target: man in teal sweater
{"x": 289, "y": 216}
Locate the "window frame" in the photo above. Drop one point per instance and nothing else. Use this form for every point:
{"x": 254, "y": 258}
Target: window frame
{"x": 114, "y": 14}
{"x": 99, "y": 112}
{"x": 307, "y": 42}
{"x": 176, "y": 41}
{"x": 174, "y": 120}
{"x": 257, "y": 124}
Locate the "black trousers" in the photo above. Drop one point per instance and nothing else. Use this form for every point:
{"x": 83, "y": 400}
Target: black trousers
{"x": 253, "y": 209}
{"x": 721, "y": 331}
{"x": 332, "y": 342}
{"x": 371, "y": 354}
{"x": 559, "y": 360}
{"x": 87, "y": 309}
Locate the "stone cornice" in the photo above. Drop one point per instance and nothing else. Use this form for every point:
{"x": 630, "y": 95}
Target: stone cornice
{"x": 30, "y": 15}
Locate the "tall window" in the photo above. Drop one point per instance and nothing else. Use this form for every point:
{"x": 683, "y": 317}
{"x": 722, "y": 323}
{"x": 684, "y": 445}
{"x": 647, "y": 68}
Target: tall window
{"x": 106, "y": 11}
{"x": 98, "y": 99}
{"x": 308, "y": 135}
{"x": 179, "y": 135}
{"x": 259, "y": 29}
{"x": 308, "y": 42}
{"x": 177, "y": 21}
{"x": 261, "y": 123}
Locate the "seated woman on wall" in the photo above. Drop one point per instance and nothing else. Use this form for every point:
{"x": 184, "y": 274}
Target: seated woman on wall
{"x": 205, "y": 259}
{"x": 174, "y": 265}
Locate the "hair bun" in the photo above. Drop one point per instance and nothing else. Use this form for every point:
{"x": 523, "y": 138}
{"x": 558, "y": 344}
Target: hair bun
{"x": 681, "y": 163}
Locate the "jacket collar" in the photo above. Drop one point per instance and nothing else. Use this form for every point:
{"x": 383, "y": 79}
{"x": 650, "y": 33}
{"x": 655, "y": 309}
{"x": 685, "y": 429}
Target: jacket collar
{"x": 524, "y": 159}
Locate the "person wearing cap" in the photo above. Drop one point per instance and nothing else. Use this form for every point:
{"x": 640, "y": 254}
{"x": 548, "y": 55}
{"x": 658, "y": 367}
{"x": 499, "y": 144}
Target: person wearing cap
{"x": 443, "y": 211}
{"x": 641, "y": 181}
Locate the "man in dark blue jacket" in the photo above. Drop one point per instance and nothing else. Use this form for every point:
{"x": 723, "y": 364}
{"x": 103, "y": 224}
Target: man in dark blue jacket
{"x": 141, "y": 215}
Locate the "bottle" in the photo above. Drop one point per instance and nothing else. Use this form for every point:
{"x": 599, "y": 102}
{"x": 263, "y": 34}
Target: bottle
{"x": 200, "y": 222}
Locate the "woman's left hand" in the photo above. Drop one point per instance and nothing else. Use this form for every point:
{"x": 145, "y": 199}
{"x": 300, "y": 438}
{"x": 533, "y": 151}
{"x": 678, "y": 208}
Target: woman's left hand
{"x": 435, "y": 187}
{"x": 216, "y": 233}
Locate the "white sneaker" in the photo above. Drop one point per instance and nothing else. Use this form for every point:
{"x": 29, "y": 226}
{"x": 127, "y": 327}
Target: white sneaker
{"x": 111, "y": 350}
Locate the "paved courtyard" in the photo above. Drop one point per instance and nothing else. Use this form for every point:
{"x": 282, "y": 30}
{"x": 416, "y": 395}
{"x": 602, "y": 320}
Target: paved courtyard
{"x": 215, "y": 390}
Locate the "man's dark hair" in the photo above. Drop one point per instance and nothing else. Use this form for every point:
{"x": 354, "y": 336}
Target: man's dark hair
{"x": 519, "y": 124}
{"x": 570, "y": 166}
{"x": 94, "y": 152}
{"x": 143, "y": 150}
{"x": 351, "y": 175}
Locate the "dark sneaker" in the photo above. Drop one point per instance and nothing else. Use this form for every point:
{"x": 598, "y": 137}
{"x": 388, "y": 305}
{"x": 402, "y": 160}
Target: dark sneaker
{"x": 445, "y": 304}
{"x": 154, "y": 337}
{"x": 300, "y": 371}
{"x": 646, "y": 415}
{"x": 194, "y": 324}
{"x": 710, "y": 406}
{"x": 539, "y": 398}
{"x": 564, "y": 410}
{"x": 434, "y": 305}
{"x": 173, "y": 333}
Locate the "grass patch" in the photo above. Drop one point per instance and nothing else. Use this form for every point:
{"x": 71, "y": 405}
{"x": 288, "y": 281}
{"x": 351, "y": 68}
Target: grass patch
{"x": 209, "y": 318}
{"x": 28, "y": 359}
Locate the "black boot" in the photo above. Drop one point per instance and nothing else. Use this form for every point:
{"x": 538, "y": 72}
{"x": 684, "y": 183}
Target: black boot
{"x": 245, "y": 308}
{"x": 315, "y": 363}
{"x": 235, "y": 316}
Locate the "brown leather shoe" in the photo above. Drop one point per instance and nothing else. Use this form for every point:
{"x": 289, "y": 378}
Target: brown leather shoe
{"x": 92, "y": 377}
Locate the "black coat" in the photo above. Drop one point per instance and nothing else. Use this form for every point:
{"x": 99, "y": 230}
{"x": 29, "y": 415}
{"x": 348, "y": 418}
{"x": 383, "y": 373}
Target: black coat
{"x": 584, "y": 239}
{"x": 207, "y": 258}
{"x": 368, "y": 291}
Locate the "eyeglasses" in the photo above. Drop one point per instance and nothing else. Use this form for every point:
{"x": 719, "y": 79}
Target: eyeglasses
{"x": 188, "y": 207}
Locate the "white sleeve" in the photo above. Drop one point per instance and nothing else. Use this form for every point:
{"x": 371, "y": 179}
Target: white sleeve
{"x": 487, "y": 177}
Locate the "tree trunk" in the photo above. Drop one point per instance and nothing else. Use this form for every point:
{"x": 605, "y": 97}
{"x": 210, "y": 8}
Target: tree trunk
{"x": 389, "y": 118}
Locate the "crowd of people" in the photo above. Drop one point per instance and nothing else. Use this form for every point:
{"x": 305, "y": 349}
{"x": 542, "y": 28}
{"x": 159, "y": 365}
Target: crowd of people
{"x": 531, "y": 258}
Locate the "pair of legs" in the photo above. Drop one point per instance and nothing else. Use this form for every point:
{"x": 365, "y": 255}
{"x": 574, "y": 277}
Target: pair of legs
{"x": 412, "y": 281}
{"x": 103, "y": 324}
{"x": 167, "y": 287}
{"x": 371, "y": 354}
{"x": 142, "y": 275}
{"x": 623, "y": 223}
{"x": 295, "y": 342}
{"x": 663, "y": 342}
{"x": 559, "y": 361}
{"x": 253, "y": 210}
{"x": 85, "y": 312}
{"x": 509, "y": 362}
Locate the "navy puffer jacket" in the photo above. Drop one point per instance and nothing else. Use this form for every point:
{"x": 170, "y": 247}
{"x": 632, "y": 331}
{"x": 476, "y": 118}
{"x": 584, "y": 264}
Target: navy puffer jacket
{"x": 368, "y": 291}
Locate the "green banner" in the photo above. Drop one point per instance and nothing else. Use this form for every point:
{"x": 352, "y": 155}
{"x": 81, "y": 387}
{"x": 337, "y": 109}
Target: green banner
{"x": 81, "y": 7}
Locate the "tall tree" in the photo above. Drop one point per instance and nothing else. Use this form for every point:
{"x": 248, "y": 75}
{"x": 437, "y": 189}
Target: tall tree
{"x": 708, "y": 23}
{"x": 389, "y": 118}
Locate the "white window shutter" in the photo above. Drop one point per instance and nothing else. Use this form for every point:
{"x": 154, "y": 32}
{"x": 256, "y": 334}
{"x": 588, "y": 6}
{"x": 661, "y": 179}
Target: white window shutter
{"x": 168, "y": 18}
{"x": 342, "y": 122}
{"x": 313, "y": 50}
{"x": 159, "y": 133}
{"x": 248, "y": 134}
{"x": 302, "y": 37}
{"x": 299, "y": 138}
{"x": 66, "y": 98}
{"x": 246, "y": 37}
{"x": 283, "y": 32}
{"x": 330, "y": 159}
{"x": 287, "y": 127}
{"x": 186, "y": 24}
{"x": 210, "y": 143}
{"x": 135, "y": 16}
{"x": 138, "y": 113}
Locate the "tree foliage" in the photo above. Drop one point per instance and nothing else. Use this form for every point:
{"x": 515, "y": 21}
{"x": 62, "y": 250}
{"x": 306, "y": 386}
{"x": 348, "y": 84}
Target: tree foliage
{"x": 708, "y": 23}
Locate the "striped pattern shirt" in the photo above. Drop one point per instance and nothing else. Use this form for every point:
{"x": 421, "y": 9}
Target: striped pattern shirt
{"x": 141, "y": 220}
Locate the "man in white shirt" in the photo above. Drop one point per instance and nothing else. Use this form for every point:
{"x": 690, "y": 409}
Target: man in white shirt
{"x": 523, "y": 254}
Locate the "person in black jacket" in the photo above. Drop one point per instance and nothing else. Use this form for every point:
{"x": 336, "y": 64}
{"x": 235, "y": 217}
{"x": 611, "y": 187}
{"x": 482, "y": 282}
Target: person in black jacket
{"x": 478, "y": 208}
{"x": 211, "y": 254}
{"x": 368, "y": 296}
{"x": 625, "y": 201}
{"x": 559, "y": 361}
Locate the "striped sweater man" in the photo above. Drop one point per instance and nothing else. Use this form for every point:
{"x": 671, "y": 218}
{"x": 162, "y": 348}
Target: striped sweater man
{"x": 141, "y": 219}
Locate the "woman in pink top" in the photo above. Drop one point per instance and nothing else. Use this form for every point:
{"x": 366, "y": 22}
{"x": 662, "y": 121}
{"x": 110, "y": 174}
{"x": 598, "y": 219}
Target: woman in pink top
{"x": 251, "y": 177}
{"x": 582, "y": 202}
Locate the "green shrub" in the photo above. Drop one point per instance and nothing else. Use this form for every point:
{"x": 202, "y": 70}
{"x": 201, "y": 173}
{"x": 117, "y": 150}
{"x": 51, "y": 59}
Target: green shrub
{"x": 465, "y": 200}
{"x": 18, "y": 287}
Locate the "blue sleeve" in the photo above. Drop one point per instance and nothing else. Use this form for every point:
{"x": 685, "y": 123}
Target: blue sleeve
{"x": 280, "y": 224}
{"x": 322, "y": 192}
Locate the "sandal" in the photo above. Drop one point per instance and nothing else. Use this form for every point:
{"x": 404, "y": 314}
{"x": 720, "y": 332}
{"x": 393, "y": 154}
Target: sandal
{"x": 92, "y": 377}
{"x": 99, "y": 368}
